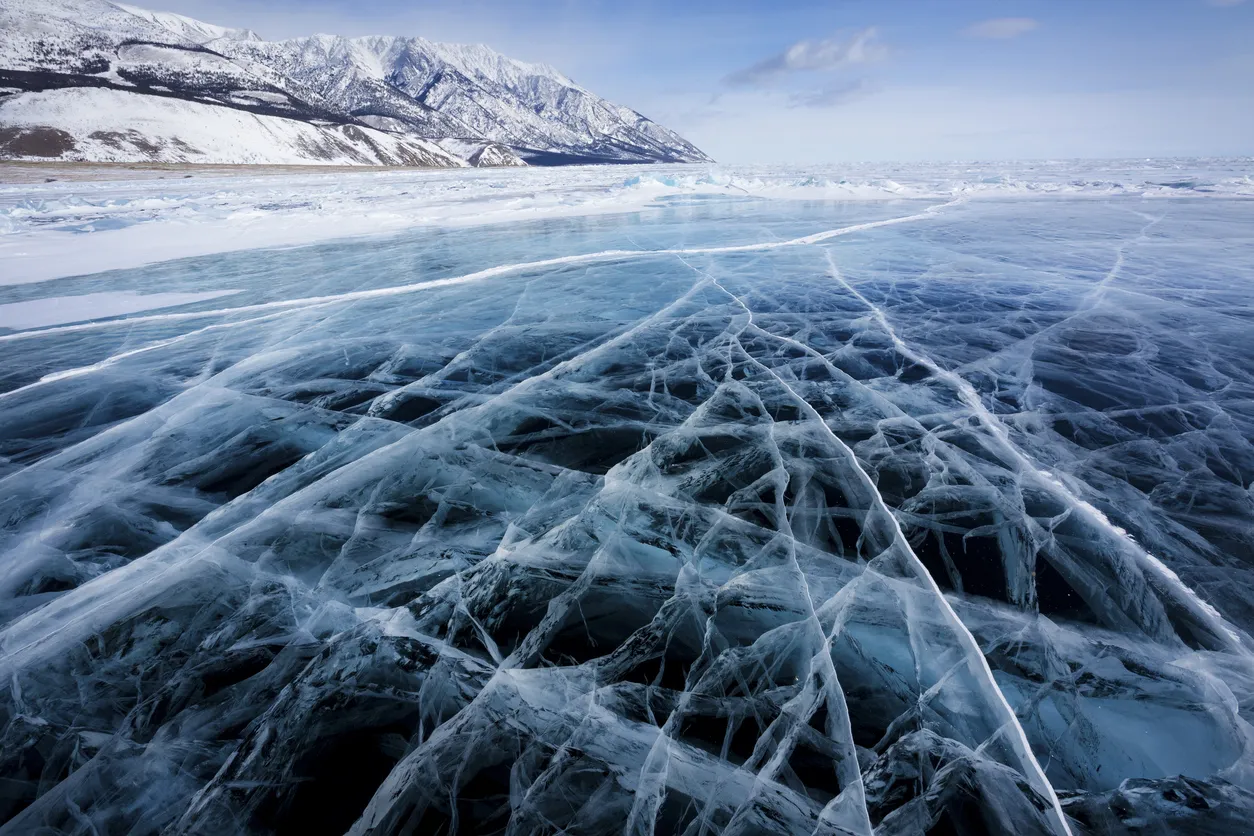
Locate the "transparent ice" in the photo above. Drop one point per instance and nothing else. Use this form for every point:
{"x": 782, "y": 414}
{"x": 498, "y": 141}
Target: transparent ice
{"x": 734, "y": 516}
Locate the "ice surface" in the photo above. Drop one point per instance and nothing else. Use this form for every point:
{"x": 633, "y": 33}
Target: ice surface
{"x": 59, "y": 310}
{"x": 733, "y": 514}
{"x": 137, "y": 222}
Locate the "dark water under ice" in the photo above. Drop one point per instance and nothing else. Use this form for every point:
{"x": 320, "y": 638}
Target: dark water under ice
{"x": 694, "y": 520}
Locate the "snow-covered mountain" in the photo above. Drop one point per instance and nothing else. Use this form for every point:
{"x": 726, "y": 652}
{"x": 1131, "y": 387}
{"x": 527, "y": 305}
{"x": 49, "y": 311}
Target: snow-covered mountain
{"x": 94, "y": 80}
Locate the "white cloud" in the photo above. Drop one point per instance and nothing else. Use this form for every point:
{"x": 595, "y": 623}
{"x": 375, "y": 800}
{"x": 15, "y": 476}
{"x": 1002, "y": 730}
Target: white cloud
{"x": 825, "y": 54}
{"x": 1002, "y": 27}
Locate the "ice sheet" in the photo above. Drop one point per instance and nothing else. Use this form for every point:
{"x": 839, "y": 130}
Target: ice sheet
{"x": 134, "y": 223}
{"x": 59, "y": 310}
{"x": 735, "y": 515}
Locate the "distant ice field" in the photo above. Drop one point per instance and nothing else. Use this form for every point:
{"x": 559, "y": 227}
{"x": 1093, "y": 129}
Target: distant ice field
{"x": 144, "y": 221}
{"x": 679, "y": 497}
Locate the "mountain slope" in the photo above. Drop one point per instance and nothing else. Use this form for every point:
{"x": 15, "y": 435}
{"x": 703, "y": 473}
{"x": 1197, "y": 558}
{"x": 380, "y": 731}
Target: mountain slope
{"x": 109, "y": 125}
{"x": 455, "y": 90}
{"x": 160, "y": 86}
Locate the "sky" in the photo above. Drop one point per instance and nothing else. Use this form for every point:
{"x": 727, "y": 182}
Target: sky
{"x": 805, "y": 82}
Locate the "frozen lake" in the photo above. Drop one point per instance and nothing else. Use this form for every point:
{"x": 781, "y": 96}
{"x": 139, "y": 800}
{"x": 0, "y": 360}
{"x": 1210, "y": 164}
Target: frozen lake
{"x": 668, "y": 500}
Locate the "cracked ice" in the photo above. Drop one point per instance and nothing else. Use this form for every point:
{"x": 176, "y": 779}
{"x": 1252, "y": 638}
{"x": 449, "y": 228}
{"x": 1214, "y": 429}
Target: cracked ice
{"x": 734, "y": 516}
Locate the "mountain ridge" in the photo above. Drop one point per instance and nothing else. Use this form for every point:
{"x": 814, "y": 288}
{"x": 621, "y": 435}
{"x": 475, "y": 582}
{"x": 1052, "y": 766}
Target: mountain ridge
{"x": 99, "y": 81}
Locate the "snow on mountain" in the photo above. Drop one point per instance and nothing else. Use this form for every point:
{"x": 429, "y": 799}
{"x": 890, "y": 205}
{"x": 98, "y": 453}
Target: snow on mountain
{"x": 89, "y": 80}
{"x": 172, "y": 85}
{"x": 351, "y": 80}
{"x": 481, "y": 154}
{"x": 103, "y": 125}
{"x": 193, "y": 30}
{"x": 531, "y": 107}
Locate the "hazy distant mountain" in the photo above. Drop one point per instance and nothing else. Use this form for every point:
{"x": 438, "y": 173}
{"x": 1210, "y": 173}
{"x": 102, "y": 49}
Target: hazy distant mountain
{"x": 93, "y": 80}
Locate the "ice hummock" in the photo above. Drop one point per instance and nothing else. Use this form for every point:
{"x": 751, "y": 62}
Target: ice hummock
{"x": 735, "y": 516}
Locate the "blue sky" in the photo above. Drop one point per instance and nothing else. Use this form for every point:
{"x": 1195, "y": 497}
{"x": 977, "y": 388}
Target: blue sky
{"x": 796, "y": 81}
